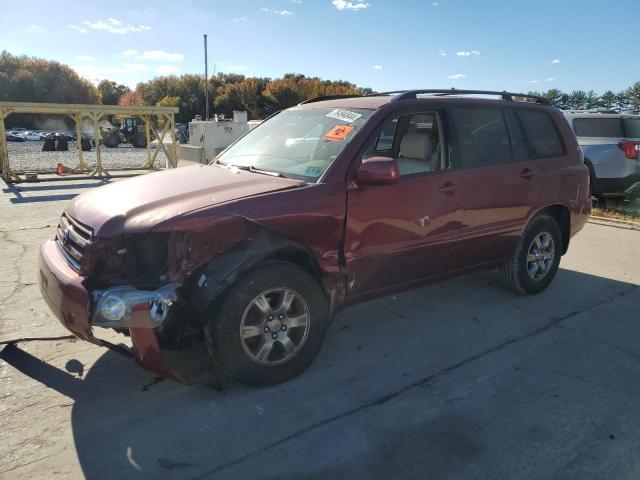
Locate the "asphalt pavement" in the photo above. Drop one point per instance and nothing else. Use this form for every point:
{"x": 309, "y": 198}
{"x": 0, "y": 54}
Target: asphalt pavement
{"x": 457, "y": 380}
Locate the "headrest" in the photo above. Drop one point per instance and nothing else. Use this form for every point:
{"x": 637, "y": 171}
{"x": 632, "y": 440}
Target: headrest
{"x": 417, "y": 146}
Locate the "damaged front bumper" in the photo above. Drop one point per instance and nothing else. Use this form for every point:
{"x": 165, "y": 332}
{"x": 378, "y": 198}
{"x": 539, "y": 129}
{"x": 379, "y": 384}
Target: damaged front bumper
{"x": 118, "y": 307}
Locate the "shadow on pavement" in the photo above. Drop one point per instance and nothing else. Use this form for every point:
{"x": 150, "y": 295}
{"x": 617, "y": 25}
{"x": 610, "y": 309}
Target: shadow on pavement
{"x": 18, "y": 189}
{"x": 126, "y": 425}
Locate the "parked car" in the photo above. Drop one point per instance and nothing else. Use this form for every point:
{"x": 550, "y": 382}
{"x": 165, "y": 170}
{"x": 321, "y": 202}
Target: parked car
{"x": 611, "y": 144}
{"x": 12, "y": 137}
{"x": 256, "y": 251}
{"x": 30, "y": 135}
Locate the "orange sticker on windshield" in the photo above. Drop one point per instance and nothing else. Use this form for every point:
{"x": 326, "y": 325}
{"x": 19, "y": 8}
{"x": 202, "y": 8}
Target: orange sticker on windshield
{"x": 338, "y": 133}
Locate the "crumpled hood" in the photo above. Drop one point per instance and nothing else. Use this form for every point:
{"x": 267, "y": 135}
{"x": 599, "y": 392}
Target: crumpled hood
{"x": 138, "y": 204}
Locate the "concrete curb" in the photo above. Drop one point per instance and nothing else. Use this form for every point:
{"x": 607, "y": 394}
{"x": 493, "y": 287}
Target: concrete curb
{"x": 610, "y": 222}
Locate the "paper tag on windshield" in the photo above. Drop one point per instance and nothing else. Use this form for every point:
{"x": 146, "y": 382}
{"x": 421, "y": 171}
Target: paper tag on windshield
{"x": 344, "y": 115}
{"x": 338, "y": 133}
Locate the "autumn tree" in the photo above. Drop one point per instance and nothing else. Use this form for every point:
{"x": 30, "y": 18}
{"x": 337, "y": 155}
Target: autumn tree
{"x": 30, "y": 79}
{"x": 111, "y": 92}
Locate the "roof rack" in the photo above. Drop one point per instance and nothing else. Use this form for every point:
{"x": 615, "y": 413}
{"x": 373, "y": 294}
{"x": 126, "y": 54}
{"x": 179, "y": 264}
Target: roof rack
{"x": 508, "y": 96}
{"x": 593, "y": 110}
{"x": 327, "y": 97}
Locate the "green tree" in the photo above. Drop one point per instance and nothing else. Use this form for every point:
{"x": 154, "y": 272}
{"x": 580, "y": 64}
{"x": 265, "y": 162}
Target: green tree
{"x": 555, "y": 97}
{"x": 111, "y": 92}
{"x": 633, "y": 96}
{"x": 592, "y": 100}
{"x": 622, "y": 101}
{"x": 577, "y": 100}
{"x": 608, "y": 100}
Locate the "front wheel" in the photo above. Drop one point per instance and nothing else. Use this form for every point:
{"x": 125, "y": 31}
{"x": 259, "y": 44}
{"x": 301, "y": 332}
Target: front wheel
{"x": 536, "y": 258}
{"x": 270, "y": 325}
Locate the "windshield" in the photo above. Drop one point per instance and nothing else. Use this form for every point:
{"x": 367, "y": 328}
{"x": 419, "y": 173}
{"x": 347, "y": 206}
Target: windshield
{"x": 297, "y": 143}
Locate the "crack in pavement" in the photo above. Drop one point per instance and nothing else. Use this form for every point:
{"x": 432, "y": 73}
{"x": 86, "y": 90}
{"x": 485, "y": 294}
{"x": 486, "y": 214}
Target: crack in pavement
{"x": 22, "y": 229}
{"x": 601, "y": 341}
{"x": 418, "y": 383}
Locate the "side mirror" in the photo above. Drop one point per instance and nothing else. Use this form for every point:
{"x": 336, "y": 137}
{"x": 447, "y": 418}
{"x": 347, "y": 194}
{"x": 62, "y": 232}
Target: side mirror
{"x": 379, "y": 171}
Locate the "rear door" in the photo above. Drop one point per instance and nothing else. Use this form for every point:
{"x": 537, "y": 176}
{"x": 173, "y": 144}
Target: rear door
{"x": 498, "y": 182}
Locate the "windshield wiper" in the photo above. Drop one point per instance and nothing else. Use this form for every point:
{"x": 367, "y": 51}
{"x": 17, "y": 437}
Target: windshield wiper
{"x": 251, "y": 168}
{"x": 264, "y": 172}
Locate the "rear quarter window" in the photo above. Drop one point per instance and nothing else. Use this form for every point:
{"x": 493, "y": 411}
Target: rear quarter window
{"x": 632, "y": 127}
{"x": 599, "y": 127}
{"x": 543, "y": 137}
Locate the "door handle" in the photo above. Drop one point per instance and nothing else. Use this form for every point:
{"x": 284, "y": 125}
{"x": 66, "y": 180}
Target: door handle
{"x": 527, "y": 173}
{"x": 448, "y": 188}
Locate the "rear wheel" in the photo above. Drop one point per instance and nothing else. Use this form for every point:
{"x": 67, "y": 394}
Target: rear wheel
{"x": 535, "y": 260}
{"x": 270, "y": 326}
{"x": 111, "y": 140}
{"x": 139, "y": 140}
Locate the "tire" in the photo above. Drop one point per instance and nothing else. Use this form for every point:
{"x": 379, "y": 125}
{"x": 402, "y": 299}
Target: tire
{"x": 241, "y": 356}
{"x": 139, "y": 140}
{"x": 515, "y": 274}
{"x": 111, "y": 141}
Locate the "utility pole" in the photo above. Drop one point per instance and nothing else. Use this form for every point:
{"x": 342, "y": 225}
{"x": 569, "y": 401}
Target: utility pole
{"x": 206, "y": 80}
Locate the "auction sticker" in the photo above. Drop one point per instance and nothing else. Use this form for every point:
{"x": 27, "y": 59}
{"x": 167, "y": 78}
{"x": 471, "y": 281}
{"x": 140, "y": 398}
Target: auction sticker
{"x": 338, "y": 133}
{"x": 344, "y": 115}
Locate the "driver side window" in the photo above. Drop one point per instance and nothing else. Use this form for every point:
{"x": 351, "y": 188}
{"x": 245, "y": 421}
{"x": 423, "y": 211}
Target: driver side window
{"x": 413, "y": 139}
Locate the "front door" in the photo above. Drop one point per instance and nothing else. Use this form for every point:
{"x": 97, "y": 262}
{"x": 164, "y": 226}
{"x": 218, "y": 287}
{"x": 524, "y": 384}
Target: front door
{"x": 390, "y": 226}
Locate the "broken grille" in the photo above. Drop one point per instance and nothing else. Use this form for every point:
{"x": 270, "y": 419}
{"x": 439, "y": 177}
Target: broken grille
{"x": 73, "y": 238}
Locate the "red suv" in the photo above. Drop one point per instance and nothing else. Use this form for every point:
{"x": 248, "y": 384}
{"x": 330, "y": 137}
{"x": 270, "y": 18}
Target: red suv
{"x": 329, "y": 203}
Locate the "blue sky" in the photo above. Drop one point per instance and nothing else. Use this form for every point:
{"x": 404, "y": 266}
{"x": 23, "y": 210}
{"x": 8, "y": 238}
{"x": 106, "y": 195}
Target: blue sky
{"x": 383, "y": 44}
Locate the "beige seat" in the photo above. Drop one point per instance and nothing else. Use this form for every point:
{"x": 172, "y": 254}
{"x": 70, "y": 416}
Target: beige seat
{"x": 416, "y": 150}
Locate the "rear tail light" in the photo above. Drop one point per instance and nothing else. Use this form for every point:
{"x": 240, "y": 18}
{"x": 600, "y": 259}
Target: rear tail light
{"x": 630, "y": 149}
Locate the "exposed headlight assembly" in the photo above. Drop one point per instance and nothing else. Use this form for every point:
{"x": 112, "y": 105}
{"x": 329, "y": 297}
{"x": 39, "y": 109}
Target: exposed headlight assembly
{"x": 126, "y": 307}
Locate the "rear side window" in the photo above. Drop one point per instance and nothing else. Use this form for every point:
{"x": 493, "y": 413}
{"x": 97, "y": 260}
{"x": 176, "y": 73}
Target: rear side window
{"x": 482, "y": 136}
{"x": 544, "y": 139}
{"x": 632, "y": 127}
{"x": 599, "y": 127}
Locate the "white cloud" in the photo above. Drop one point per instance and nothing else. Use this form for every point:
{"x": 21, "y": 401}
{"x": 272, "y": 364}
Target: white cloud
{"x": 85, "y": 58}
{"x": 467, "y": 53}
{"x": 377, "y": 67}
{"x": 34, "y": 28}
{"x": 546, "y": 80}
{"x": 113, "y": 25}
{"x": 244, "y": 18}
{"x": 344, "y": 5}
{"x": 555, "y": 60}
{"x": 167, "y": 69}
{"x": 435, "y": 4}
{"x": 284, "y": 13}
{"x": 98, "y": 71}
{"x": 296, "y": 1}
{"x": 135, "y": 67}
{"x": 76, "y": 27}
{"x": 456, "y": 76}
{"x": 128, "y": 53}
{"x": 159, "y": 55}
{"x": 442, "y": 53}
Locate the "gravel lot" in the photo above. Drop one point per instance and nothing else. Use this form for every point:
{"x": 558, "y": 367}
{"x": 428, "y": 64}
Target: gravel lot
{"x": 28, "y": 156}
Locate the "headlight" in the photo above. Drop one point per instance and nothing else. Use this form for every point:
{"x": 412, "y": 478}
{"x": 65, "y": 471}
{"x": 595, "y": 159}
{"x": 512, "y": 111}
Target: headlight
{"x": 126, "y": 307}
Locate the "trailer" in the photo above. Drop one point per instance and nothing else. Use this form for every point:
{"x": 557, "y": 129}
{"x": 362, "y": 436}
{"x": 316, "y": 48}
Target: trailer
{"x": 207, "y": 138}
